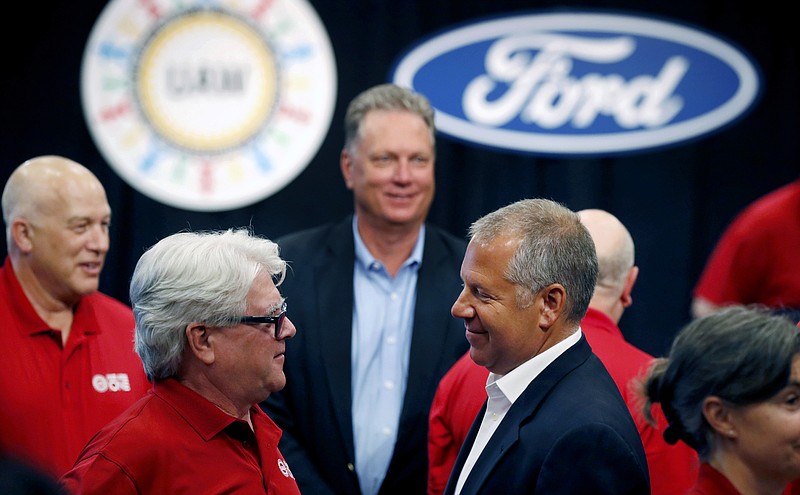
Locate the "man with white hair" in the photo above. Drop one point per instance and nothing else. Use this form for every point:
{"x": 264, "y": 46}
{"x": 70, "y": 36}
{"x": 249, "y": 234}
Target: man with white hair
{"x": 211, "y": 331}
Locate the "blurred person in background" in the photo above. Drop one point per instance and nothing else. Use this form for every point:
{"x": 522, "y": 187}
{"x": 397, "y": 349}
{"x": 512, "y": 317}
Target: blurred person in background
{"x": 68, "y": 358}
{"x": 730, "y": 389}
{"x": 756, "y": 260}
{"x": 372, "y": 297}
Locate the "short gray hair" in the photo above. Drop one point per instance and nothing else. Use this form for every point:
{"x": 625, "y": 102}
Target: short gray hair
{"x": 194, "y": 277}
{"x": 555, "y": 248}
{"x": 385, "y": 97}
{"x": 743, "y": 355}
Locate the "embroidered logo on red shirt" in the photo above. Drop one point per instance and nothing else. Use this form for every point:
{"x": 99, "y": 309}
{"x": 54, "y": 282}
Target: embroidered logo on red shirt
{"x": 111, "y": 382}
{"x": 285, "y": 468}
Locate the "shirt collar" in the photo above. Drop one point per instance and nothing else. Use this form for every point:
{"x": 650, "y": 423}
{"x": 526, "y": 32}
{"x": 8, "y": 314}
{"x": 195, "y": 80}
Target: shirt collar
{"x": 201, "y": 414}
{"x": 25, "y": 316}
{"x": 513, "y": 383}
{"x": 27, "y": 319}
{"x": 367, "y": 260}
{"x": 597, "y": 321}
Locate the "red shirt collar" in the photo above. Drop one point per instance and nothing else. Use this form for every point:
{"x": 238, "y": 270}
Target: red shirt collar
{"x": 204, "y": 416}
{"x": 596, "y": 321}
{"x": 27, "y": 319}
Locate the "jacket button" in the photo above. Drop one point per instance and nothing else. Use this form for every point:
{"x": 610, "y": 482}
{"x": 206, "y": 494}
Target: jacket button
{"x": 350, "y": 467}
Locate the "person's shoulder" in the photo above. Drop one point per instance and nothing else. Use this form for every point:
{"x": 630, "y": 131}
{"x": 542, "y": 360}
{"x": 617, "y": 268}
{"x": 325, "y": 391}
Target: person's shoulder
{"x": 769, "y": 210}
{"x": 301, "y": 236}
{"x": 450, "y": 241}
{"x": 136, "y": 438}
{"x": 106, "y": 304}
{"x": 593, "y": 378}
{"x": 601, "y": 402}
{"x": 788, "y": 192}
{"x": 311, "y": 238}
{"x": 613, "y": 348}
{"x": 132, "y": 428}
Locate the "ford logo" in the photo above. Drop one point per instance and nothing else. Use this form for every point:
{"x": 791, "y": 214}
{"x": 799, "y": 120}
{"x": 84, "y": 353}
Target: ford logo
{"x": 579, "y": 83}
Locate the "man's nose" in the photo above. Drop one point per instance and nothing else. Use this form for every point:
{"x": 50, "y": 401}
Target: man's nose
{"x": 460, "y": 307}
{"x": 98, "y": 239}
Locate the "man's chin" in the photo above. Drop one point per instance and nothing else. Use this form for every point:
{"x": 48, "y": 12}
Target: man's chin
{"x": 478, "y": 357}
{"x": 86, "y": 289}
{"x": 409, "y": 214}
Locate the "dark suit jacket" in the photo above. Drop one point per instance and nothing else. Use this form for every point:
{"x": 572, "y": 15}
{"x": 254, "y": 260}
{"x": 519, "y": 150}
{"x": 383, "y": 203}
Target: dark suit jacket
{"x": 568, "y": 433}
{"x": 314, "y": 409}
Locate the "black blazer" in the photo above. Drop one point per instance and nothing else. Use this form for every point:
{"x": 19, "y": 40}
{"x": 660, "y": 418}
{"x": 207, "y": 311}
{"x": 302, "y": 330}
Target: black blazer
{"x": 569, "y": 433}
{"x": 314, "y": 409}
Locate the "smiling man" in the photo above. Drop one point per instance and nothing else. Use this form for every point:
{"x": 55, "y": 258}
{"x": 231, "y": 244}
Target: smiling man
{"x": 68, "y": 360}
{"x": 371, "y": 294}
{"x": 554, "y": 422}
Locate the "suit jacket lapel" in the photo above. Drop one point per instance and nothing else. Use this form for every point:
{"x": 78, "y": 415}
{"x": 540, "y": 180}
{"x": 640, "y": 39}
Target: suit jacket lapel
{"x": 507, "y": 433}
{"x": 427, "y": 346}
{"x": 464, "y": 451}
{"x": 335, "y": 322}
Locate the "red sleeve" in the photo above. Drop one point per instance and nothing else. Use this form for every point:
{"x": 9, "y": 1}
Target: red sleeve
{"x": 442, "y": 447}
{"x": 734, "y": 266}
{"x": 459, "y": 397}
{"x": 96, "y": 475}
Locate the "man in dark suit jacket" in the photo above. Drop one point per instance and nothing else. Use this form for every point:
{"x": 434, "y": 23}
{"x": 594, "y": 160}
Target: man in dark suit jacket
{"x": 554, "y": 422}
{"x": 370, "y": 298}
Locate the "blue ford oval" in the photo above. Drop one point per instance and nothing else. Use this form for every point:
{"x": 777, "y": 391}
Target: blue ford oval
{"x": 579, "y": 83}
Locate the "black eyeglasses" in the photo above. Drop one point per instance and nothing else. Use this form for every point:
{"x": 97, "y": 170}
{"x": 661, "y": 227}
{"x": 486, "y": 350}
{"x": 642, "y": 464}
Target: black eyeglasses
{"x": 275, "y": 319}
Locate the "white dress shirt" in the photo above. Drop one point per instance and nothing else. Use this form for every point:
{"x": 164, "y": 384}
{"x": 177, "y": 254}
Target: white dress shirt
{"x": 503, "y": 391}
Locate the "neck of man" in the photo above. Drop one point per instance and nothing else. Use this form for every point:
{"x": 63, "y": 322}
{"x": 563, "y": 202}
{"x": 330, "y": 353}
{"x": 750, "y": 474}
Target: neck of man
{"x": 392, "y": 244}
{"x": 56, "y": 313}
{"x": 609, "y": 305}
{"x": 204, "y": 386}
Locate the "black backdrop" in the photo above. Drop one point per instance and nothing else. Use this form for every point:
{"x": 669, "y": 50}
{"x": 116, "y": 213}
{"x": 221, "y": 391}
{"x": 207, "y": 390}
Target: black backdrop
{"x": 675, "y": 201}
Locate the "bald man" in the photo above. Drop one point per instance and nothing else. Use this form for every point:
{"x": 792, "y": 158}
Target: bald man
{"x": 615, "y": 260}
{"x": 68, "y": 361}
{"x": 461, "y": 393}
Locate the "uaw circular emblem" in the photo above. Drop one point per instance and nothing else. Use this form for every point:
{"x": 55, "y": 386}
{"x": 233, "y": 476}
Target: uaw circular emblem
{"x": 208, "y": 106}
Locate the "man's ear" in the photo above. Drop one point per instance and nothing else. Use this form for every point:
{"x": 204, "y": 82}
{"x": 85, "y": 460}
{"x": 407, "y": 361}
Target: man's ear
{"x": 554, "y": 298}
{"x": 22, "y": 235}
{"x": 346, "y": 164}
{"x": 198, "y": 342}
{"x": 627, "y": 287}
{"x": 718, "y": 414}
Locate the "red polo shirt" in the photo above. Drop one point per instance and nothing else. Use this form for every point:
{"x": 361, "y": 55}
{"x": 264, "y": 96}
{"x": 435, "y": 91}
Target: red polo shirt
{"x": 756, "y": 260}
{"x": 53, "y": 398}
{"x": 175, "y": 441}
{"x": 712, "y": 482}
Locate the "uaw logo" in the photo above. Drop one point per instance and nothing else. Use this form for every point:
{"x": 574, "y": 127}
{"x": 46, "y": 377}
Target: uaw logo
{"x": 284, "y": 468}
{"x": 579, "y": 83}
{"x": 111, "y": 382}
{"x": 208, "y": 105}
